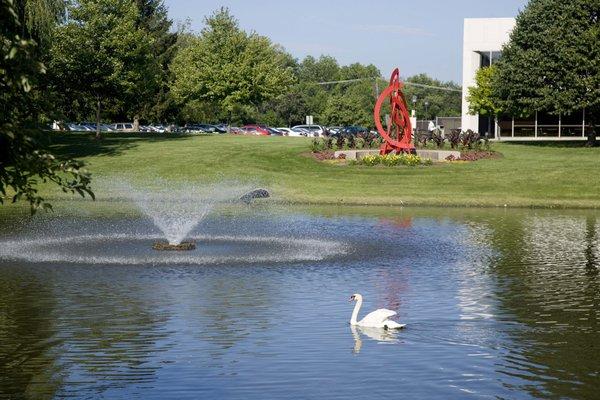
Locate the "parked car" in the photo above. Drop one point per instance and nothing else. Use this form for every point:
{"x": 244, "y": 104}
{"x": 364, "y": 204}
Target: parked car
{"x": 193, "y": 128}
{"x": 315, "y": 130}
{"x": 333, "y": 129}
{"x": 78, "y": 127}
{"x": 301, "y": 132}
{"x": 223, "y": 127}
{"x": 261, "y": 130}
{"x": 123, "y": 127}
{"x": 356, "y": 131}
{"x": 156, "y": 128}
{"x": 275, "y": 132}
{"x": 284, "y": 131}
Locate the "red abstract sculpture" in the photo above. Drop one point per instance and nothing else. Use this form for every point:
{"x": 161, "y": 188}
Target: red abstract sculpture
{"x": 398, "y": 135}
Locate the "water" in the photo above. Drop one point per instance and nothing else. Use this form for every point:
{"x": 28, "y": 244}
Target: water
{"x": 176, "y": 211}
{"x": 499, "y": 304}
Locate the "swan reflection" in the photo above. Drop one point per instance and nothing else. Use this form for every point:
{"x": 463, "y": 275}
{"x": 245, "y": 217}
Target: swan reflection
{"x": 377, "y": 334}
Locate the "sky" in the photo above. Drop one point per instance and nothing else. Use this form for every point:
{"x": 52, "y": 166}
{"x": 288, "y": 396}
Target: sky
{"x": 416, "y": 36}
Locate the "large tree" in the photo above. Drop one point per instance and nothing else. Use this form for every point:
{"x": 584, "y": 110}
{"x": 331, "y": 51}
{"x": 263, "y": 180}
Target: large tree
{"x": 154, "y": 19}
{"x": 227, "y": 69}
{"x": 24, "y": 161}
{"x": 104, "y": 57}
{"x": 552, "y": 61}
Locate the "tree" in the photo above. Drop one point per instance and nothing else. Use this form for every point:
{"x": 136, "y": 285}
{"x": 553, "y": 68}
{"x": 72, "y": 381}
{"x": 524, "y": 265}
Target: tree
{"x": 481, "y": 97}
{"x": 442, "y": 103}
{"x": 291, "y": 108}
{"x": 102, "y": 56}
{"x": 551, "y": 62}
{"x": 324, "y": 69}
{"x": 229, "y": 68}
{"x": 153, "y": 18}
{"x": 23, "y": 159}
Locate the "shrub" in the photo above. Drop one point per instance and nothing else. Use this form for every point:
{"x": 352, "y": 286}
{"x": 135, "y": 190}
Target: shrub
{"x": 370, "y": 160}
{"x": 316, "y": 145}
{"x": 328, "y": 143}
{"x": 437, "y": 136}
{"x": 360, "y": 143}
{"x": 469, "y": 138}
{"x": 391, "y": 160}
{"x": 377, "y": 142}
{"x": 454, "y": 138}
{"x": 421, "y": 138}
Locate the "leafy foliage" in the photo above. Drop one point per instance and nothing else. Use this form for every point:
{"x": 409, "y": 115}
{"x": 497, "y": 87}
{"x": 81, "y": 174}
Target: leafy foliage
{"x": 392, "y": 160}
{"x": 551, "y": 62}
{"x": 440, "y": 102}
{"x": 23, "y": 160}
{"x": 454, "y": 138}
{"x": 481, "y": 97}
{"x": 469, "y": 138}
{"x": 226, "y": 67}
{"x": 437, "y": 137}
{"x": 103, "y": 55}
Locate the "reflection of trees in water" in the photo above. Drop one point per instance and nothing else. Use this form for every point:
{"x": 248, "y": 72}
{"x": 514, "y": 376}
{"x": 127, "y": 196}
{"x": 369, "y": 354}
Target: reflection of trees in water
{"x": 547, "y": 276}
{"x": 94, "y": 331}
{"x": 111, "y": 330}
{"x": 27, "y": 365}
{"x": 228, "y": 308}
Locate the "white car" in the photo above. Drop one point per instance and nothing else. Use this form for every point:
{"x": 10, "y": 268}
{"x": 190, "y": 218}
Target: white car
{"x": 315, "y": 130}
{"x": 291, "y": 132}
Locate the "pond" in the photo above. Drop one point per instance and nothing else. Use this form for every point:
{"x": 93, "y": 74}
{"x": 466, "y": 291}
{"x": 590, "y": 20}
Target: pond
{"x": 498, "y": 304}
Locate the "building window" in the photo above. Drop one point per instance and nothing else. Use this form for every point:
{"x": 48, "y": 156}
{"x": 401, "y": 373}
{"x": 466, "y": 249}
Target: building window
{"x": 505, "y": 126}
{"x": 486, "y": 60}
{"x": 495, "y": 56}
{"x": 547, "y": 125}
{"x": 486, "y": 126}
{"x": 525, "y": 127}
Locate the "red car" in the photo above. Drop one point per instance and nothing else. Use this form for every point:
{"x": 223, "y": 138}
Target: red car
{"x": 256, "y": 130}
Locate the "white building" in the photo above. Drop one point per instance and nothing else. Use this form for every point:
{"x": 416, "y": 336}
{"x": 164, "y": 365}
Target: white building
{"x": 482, "y": 45}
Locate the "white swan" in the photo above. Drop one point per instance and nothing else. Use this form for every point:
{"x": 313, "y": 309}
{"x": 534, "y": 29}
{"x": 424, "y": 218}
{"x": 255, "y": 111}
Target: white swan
{"x": 376, "y": 319}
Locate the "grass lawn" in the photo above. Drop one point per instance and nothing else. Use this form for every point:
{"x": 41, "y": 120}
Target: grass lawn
{"x": 529, "y": 175}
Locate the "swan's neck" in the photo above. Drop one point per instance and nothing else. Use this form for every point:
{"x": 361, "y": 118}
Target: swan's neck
{"x": 355, "y": 312}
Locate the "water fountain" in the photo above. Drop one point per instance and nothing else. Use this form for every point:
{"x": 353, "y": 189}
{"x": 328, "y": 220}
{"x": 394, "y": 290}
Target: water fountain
{"x": 177, "y": 211}
{"x": 170, "y": 221}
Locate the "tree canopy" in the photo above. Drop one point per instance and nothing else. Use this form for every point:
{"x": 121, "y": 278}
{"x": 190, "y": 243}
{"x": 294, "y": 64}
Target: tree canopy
{"x": 225, "y": 68}
{"x": 24, "y": 161}
{"x": 103, "y": 55}
{"x": 552, "y": 61}
{"x": 481, "y": 96}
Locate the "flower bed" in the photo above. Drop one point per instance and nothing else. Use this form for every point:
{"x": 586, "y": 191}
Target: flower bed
{"x": 392, "y": 160}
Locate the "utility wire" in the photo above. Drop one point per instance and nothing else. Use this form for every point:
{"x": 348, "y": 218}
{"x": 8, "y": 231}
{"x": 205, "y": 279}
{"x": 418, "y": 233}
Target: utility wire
{"x": 448, "y": 89}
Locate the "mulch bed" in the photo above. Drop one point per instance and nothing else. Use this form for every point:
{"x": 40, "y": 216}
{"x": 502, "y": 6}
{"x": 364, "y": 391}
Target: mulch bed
{"x": 324, "y": 155}
{"x": 475, "y": 155}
